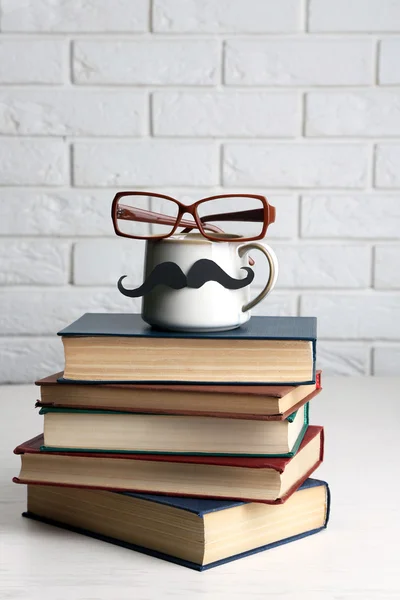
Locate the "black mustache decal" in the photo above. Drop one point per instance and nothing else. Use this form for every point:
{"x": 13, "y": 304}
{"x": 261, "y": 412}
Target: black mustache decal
{"x": 171, "y": 275}
{"x": 168, "y": 273}
{"x": 207, "y": 270}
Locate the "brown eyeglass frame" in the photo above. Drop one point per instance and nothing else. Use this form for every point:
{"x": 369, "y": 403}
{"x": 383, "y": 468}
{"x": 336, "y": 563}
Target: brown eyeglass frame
{"x": 266, "y": 215}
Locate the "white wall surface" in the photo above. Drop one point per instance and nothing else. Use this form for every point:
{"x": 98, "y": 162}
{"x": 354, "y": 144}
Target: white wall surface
{"x": 296, "y": 99}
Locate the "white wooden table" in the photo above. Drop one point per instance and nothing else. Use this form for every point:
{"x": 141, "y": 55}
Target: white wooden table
{"x": 356, "y": 558}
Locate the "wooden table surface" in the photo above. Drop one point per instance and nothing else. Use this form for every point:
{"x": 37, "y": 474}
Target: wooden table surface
{"x": 356, "y": 558}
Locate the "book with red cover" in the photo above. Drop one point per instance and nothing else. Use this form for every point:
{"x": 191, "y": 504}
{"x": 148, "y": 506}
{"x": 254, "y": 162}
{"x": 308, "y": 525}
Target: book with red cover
{"x": 184, "y": 395}
{"x": 82, "y": 471}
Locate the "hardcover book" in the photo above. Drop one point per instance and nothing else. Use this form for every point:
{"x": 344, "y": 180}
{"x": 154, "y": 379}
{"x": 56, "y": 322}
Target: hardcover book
{"x": 108, "y": 431}
{"x": 198, "y": 534}
{"x": 261, "y": 402}
{"x": 101, "y": 347}
{"x": 269, "y": 480}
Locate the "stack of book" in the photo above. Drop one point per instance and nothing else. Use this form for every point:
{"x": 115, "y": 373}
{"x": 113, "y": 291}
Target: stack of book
{"x": 195, "y": 448}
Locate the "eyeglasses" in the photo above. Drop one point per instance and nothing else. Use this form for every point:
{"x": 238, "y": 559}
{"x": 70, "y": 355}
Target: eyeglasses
{"x": 246, "y": 215}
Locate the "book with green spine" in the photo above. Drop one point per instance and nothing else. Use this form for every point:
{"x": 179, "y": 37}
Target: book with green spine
{"x": 112, "y": 431}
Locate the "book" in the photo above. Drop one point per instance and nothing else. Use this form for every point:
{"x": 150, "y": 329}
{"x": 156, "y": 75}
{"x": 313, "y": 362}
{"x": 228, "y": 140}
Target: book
{"x": 261, "y": 402}
{"x": 199, "y": 534}
{"x": 111, "y": 431}
{"x": 269, "y": 480}
{"x": 123, "y": 348}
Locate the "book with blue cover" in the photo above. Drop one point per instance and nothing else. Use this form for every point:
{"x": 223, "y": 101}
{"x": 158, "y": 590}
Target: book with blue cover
{"x": 196, "y": 533}
{"x": 122, "y": 348}
{"x": 112, "y": 431}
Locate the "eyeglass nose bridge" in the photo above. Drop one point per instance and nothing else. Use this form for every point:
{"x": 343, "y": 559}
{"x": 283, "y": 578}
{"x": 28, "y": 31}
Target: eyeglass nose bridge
{"x": 190, "y": 210}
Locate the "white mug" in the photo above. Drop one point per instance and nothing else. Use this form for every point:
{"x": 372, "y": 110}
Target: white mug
{"x": 211, "y": 307}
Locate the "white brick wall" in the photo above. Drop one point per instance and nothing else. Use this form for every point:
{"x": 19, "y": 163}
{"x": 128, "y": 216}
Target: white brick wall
{"x": 147, "y": 62}
{"x": 347, "y": 16}
{"x": 42, "y": 16}
{"x": 72, "y": 112}
{"x": 33, "y": 162}
{"x": 34, "y": 262}
{"x": 348, "y": 114}
{"x": 387, "y": 173}
{"x": 235, "y": 114}
{"x": 303, "y": 165}
{"x": 389, "y": 65}
{"x": 309, "y": 60}
{"x": 297, "y": 100}
{"x": 26, "y": 61}
{"x": 227, "y": 16}
{"x": 153, "y": 163}
{"x": 319, "y": 266}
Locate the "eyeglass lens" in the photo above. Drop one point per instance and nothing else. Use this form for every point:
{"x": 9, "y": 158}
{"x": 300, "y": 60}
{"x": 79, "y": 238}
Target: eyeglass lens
{"x": 131, "y": 221}
{"x": 215, "y": 212}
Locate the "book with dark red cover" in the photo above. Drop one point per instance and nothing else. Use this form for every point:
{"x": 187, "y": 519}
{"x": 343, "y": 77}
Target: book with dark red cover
{"x": 277, "y": 391}
{"x": 33, "y": 445}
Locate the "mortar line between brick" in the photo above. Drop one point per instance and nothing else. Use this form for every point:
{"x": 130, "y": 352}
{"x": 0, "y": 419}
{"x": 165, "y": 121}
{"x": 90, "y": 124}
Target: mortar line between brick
{"x": 256, "y": 142}
{"x": 277, "y": 192}
{"x": 67, "y": 59}
{"x": 223, "y": 64}
{"x": 377, "y": 61}
{"x": 371, "y": 361}
{"x": 303, "y": 113}
{"x": 306, "y": 13}
{"x": 71, "y": 165}
{"x": 300, "y": 217}
{"x": 298, "y": 305}
{"x": 186, "y": 36}
{"x": 71, "y": 264}
{"x": 221, "y": 152}
{"x": 373, "y": 260}
{"x": 284, "y": 241}
{"x": 272, "y": 89}
{"x": 150, "y": 116}
{"x": 71, "y": 62}
{"x": 278, "y": 241}
{"x": 150, "y": 22}
{"x": 373, "y": 159}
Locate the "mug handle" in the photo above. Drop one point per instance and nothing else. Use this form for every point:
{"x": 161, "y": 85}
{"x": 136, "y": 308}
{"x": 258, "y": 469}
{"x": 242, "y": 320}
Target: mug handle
{"x": 273, "y": 270}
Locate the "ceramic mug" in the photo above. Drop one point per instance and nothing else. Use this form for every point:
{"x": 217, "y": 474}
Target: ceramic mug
{"x": 213, "y": 305}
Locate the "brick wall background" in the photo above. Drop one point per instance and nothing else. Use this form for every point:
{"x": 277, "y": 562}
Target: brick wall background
{"x": 296, "y": 99}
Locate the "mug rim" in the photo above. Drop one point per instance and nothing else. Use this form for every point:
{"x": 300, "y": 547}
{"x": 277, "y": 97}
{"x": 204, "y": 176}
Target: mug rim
{"x": 197, "y": 238}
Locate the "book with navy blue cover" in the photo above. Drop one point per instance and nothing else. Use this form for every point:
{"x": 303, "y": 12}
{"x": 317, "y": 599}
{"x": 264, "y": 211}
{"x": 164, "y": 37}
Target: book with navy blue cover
{"x": 132, "y": 325}
{"x": 244, "y": 528}
{"x": 122, "y": 348}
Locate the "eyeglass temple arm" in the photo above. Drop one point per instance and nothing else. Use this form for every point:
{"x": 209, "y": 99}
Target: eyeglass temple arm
{"x": 129, "y": 213}
{"x": 254, "y": 215}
